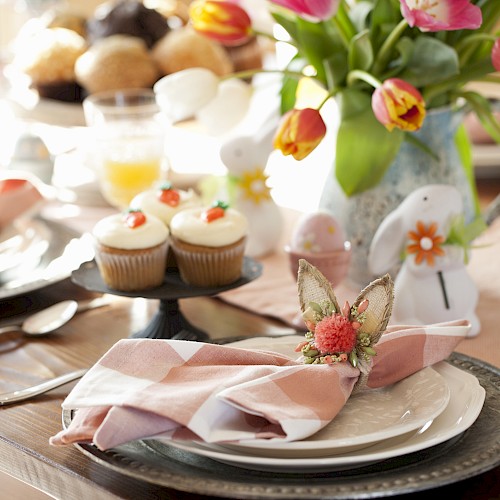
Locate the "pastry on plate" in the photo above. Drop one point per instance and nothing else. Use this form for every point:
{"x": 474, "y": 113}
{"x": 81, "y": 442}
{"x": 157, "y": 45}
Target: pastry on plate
{"x": 47, "y": 57}
{"x": 116, "y": 62}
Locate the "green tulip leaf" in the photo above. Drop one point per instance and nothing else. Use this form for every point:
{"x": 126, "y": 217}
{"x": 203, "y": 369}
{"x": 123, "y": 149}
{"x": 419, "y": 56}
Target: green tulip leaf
{"x": 482, "y": 108}
{"x": 432, "y": 61}
{"x": 365, "y": 148}
{"x": 360, "y": 54}
{"x": 464, "y": 149}
{"x": 288, "y": 94}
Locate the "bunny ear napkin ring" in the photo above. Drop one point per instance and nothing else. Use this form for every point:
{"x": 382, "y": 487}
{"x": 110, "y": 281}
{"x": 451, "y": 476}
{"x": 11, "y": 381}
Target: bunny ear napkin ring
{"x": 342, "y": 334}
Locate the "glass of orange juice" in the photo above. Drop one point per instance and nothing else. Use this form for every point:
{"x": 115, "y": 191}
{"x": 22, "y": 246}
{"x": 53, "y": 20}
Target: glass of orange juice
{"x": 129, "y": 139}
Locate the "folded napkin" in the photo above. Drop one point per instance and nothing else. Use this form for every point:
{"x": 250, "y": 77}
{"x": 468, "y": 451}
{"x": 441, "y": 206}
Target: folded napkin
{"x": 19, "y": 196}
{"x": 176, "y": 389}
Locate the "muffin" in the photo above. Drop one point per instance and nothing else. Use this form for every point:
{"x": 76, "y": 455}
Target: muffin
{"x": 131, "y": 250}
{"x": 127, "y": 17}
{"x": 165, "y": 201}
{"x": 185, "y": 48}
{"x": 48, "y": 58}
{"x": 62, "y": 18}
{"x": 116, "y": 62}
{"x": 209, "y": 244}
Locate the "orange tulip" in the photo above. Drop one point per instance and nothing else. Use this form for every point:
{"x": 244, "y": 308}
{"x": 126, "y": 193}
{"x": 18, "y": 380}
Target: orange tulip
{"x": 396, "y": 103}
{"x": 224, "y": 22}
{"x": 300, "y": 131}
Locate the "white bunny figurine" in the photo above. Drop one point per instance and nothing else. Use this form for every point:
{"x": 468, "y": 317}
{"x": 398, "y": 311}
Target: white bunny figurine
{"x": 432, "y": 285}
{"x": 245, "y": 157}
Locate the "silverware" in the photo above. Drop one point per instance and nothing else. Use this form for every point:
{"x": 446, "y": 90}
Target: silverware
{"x": 51, "y": 318}
{"x": 30, "y": 392}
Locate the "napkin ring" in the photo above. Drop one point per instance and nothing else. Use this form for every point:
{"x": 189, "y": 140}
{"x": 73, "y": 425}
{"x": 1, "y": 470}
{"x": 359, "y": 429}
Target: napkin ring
{"x": 342, "y": 334}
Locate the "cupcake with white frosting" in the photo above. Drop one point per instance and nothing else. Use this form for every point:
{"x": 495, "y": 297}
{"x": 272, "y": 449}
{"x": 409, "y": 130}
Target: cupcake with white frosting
{"x": 209, "y": 244}
{"x": 131, "y": 250}
{"x": 165, "y": 201}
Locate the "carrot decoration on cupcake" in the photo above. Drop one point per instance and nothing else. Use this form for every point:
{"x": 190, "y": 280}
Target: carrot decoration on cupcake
{"x": 216, "y": 211}
{"x": 168, "y": 195}
{"x": 134, "y": 218}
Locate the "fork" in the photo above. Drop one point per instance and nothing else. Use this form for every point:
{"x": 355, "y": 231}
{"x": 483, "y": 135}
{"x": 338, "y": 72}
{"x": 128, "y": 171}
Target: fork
{"x": 29, "y": 392}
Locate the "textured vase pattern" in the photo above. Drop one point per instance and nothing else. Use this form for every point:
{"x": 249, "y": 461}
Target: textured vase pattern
{"x": 360, "y": 215}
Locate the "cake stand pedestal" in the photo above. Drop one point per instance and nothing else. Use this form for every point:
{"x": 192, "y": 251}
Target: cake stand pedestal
{"x": 168, "y": 322}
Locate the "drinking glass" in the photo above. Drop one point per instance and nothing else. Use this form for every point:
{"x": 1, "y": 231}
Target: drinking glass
{"x": 128, "y": 137}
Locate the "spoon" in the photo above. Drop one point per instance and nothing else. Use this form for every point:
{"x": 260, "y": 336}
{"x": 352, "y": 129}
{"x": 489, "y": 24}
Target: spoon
{"x": 50, "y": 319}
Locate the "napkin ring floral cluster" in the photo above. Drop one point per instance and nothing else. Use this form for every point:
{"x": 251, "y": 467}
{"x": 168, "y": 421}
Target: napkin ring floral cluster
{"x": 342, "y": 334}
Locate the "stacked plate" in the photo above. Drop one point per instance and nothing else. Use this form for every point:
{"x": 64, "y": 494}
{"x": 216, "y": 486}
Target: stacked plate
{"x": 423, "y": 410}
{"x": 36, "y": 253}
{"x": 22, "y": 245}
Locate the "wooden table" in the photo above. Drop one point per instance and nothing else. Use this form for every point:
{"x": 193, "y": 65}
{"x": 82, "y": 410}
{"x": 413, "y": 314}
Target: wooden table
{"x": 65, "y": 473}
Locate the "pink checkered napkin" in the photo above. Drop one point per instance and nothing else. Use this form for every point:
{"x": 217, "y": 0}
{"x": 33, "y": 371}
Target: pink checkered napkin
{"x": 188, "y": 390}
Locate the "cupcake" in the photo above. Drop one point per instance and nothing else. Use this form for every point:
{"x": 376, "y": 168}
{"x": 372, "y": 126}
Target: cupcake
{"x": 209, "y": 244}
{"x": 165, "y": 201}
{"x": 131, "y": 250}
{"x": 319, "y": 239}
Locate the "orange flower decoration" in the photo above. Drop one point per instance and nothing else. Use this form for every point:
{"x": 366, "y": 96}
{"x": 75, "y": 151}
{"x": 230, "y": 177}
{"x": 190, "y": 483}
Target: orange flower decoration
{"x": 427, "y": 243}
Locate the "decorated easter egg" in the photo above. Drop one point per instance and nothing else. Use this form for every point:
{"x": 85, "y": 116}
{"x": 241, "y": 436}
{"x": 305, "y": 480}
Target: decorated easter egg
{"x": 317, "y": 232}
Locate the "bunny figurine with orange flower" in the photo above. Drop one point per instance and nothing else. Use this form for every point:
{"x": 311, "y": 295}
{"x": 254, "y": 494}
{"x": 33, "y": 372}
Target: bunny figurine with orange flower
{"x": 432, "y": 285}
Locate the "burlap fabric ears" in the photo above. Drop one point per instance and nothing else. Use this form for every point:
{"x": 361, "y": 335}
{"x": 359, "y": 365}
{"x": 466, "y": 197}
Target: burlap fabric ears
{"x": 314, "y": 288}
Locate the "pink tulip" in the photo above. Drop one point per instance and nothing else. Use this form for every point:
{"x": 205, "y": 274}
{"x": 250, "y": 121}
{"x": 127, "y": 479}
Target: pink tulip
{"x": 318, "y": 9}
{"x": 224, "y": 22}
{"x": 300, "y": 131}
{"x": 441, "y": 15}
{"x": 495, "y": 54}
{"x": 396, "y": 103}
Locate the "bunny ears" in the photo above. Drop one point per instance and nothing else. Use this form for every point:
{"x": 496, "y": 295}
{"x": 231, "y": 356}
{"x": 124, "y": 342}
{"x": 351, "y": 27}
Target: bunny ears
{"x": 337, "y": 334}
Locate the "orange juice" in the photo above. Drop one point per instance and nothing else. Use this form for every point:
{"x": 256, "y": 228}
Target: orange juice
{"x": 123, "y": 179}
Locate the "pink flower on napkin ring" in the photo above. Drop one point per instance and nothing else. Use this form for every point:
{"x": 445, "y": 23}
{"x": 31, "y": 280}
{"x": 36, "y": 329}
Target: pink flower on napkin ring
{"x": 340, "y": 334}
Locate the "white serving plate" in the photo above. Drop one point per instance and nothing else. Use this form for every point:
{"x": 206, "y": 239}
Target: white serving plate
{"x": 367, "y": 417}
{"x": 64, "y": 250}
{"x": 466, "y": 401}
{"x": 22, "y": 245}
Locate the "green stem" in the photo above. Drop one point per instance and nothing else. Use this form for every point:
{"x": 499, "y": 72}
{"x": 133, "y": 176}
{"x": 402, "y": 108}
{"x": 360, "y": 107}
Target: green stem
{"x": 344, "y": 25}
{"x": 470, "y": 44}
{"x": 263, "y": 34}
{"x": 328, "y": 96}
{"x": 479, "y": 72}
{"x": 342, "y": 33}
{"x": 250, "y": 72}
{"x": 358, "y": 74}
{"x": 489, "y": 78}
{"x": 385, "y": 51}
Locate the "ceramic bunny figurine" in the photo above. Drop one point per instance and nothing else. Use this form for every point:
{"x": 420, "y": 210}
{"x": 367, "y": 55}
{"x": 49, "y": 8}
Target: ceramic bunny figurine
{"x": 432, "y": 285}
{"x": 245, "y": 157}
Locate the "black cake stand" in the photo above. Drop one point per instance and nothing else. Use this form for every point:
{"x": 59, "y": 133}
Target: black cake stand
{"x": 168, "y": 322}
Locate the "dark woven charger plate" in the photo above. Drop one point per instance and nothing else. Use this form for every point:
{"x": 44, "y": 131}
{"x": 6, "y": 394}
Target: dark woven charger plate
{"x": 471, "y": 453}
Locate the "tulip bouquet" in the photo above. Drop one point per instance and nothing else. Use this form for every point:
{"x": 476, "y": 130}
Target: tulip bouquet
{"x": 385, "y": 62}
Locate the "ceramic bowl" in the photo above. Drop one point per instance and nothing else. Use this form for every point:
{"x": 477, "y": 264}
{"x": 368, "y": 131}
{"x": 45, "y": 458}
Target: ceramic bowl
{"x": 334, "y": 265}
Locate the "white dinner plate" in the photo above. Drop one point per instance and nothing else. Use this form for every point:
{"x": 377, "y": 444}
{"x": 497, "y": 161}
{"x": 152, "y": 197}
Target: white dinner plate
{"x": 22, "y": 245}
{"x": 66, "y": 250}
{"x": 367, "y": 417}
{"x": 466, "y": 401}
